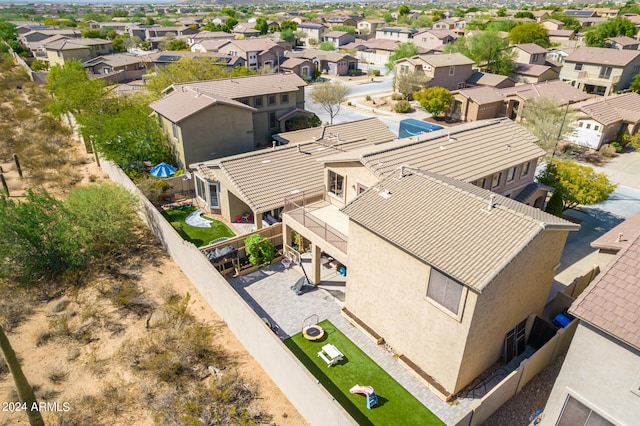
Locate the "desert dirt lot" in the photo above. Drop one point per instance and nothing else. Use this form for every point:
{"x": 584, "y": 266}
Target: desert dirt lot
{"x": 72, "y": 345}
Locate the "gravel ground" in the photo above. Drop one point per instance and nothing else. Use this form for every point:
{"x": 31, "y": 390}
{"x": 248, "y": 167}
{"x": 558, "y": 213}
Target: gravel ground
{"x": 517, "y": 410}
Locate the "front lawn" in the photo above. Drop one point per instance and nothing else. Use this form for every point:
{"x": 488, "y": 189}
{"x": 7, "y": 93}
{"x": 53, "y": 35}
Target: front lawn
{"x": 395, "y": 404}
{"x": 194, "y": 234}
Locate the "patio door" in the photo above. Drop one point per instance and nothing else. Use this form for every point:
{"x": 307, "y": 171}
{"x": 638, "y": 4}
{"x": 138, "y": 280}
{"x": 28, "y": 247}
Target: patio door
{"x": 514, "y": 342}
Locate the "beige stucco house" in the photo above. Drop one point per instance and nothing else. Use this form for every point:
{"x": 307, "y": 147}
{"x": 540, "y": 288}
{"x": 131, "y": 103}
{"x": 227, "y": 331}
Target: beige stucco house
{"x": 81, "y": 49}
{"x": 454, "y": 285}
{"x": 601, "y": 71}
{"x": 311, "y": 32}
{"x": 401, "y": 34}
{"x": 599, "y": 382}
{"x": 217, "y": 118}
{"x": 448, "y": 70}
{"x": 257, "y": 52}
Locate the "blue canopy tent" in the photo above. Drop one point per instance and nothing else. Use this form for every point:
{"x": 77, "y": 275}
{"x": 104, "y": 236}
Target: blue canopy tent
{"x": 162, "y": 170}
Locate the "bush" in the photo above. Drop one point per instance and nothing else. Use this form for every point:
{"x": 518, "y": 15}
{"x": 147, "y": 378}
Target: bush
{"x": 570, "y": 149}
{"x": 607, "y": 150}
{"x": 397, "y": 97}
{"x": 617, "y": 146}
{"x": 554, "y": 206}
{"x": 368, "y": 98}
{"x": 259, "y": 250}
{"x": 402, "y": 107}
{"x": 376, "y": 73}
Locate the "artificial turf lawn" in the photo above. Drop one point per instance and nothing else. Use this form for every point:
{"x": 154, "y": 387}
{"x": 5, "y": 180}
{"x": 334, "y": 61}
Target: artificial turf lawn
{"x": 395, "y": 404}
{"x": 198, "y": 236}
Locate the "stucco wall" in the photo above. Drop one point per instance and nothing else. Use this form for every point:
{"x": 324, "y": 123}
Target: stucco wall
{"x": 216, "y": 132}
{"x": 518, "y": 291}
{"x": 590, "y": 137}
{"x": 442, "y": 78}
{"x": 601, "y": 374}
{"x": 387, "y": 290}
{"x": 353, "y": 173}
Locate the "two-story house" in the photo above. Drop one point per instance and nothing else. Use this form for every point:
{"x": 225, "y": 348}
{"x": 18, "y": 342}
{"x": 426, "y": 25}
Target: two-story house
{"x": 599, "y": 382}
{"x": 246, "y": 29}
{"x": 451, "y": 290}
{"x": 333, "y": 63}
{"x": 368, "y": 27}
{"x": 532, "y": 65}
{"x": 601, "y": 71}
{"x": 117, "y": 67}
{"x": 448, "y": 70}
{"x": 216, "y": 118}
{"x": 434, "y": 39}
{"x": 311, "y": 32}
{"x": 622, "y": 42}
{"x": 338, "y": 38}
{"x": 601, "y": 120}
{"x": 81, "y": 49}
{"x": 401, "y": 34}
{"x": 257, "y": 52}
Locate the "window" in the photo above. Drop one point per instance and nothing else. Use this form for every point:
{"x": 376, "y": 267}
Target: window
{"x": 496, "y": 180}
{"x": 588, "y": 126}
{"x": 452, "y": 70}
{"x": 605, "y": 72}
{"x": 174, "y": 130}
{"x": 284, "y": 99}
{"x": 525, "y": 169}
{"x": 404, "y": 69}
{"x": 445, "y": 291}
{"x": 580, "y": 124}
{"x": 511, "y": 174}
{"x": 360, "y": 188}
{"x": 534, "y": 58}
{"x": 271, "y": 100}
{"x": 578, "y": 67}
{"x": 245, "y": 101}
{"x": 257, "y": 101}
{"x": 596, "y": 127}
{"x": 575, "y": 413}
{"x": 201, "y": 191}
{"x": 481, "y": 182}
{"x": 336, "y": 184}
{"x": 213, "y": 194}
{"x": 272, "y": 120}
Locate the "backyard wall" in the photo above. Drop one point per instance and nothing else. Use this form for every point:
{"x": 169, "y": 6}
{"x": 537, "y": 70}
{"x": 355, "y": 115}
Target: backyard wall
{"x": 313, "y": 402}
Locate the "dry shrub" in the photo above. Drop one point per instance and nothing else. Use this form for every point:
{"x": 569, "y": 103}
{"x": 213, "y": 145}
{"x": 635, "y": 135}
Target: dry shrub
{"x": 607, "y": 150}
{"x": 57, "y": 375}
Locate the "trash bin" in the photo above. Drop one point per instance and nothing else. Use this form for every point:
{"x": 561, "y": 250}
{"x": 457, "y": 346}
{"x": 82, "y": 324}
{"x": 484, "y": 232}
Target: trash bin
{"x": 561, "y": 320}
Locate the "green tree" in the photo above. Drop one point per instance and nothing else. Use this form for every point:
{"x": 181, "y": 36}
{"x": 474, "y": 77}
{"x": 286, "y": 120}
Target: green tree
{"x": 39, "y": 65}
{"x": 289, "y": 25}
{"x": 330, "y": 95}
{"x": 404, "y": 50}
{"x": 177, "y": 44}
{"x": 548, "y": 121}
{"x": 71, "y": 89}
{"x": 505, "y": 25}
{"x": 403, "y": 10}
{"x": 408, "y": 83}
{"x": 529, "y": 32}
{"x": 595, "y": 36}
{"x": 570, "y": 23}
{"x": 524, "y": 14}
{"x": 577, "y": 184}
{"x": 261, "y": 25}
{"x": 288, "y": 35}
{"x": 435, "y": 100}
{"x": 327, "y": 46}
{"x": 259, "y": 250}
{"x": 192, "y": 69}
{"x": 38, "y": 238}
{"x": 8, "y": 31}
{"x": 635, "y": 84}
{"x": 25, "y": 391}
{"x": 489, "y": 51}
{"x": 502, "y": 12}
{"x": 346, "y": 28}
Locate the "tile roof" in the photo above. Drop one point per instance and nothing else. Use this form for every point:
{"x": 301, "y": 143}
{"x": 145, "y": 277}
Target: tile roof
{"x": 534, "y": 70}
{"x": 374, "y": 130}
{"x": 254, "y": 44}
{"x": 265, "y": 177}
{"x": 553, "y": 89}
{"x": 603, "y": 56}
{"x": 531, "y": 48}
{"x": 612, "y": 240}
{"x": 115, "y": 60}
{"x": 623, "y": 40}
{"x": 240, "y": 87}
{"x": 481, "y": 94}
{"x": 467, "y": 152}
{"x": 612, "y": 109}
{"x": 457, "y": 232}
{"x": 437, "y": 60}
{"x": 75, "y": 43}
{"x": 612, "y": 301}
{"x": 335, "y": 34}
{"x": 487, "y": 79}
{"x": 183, "y": 103}
{"x": 320, "y": 54}
{"x": 560, "y": 33}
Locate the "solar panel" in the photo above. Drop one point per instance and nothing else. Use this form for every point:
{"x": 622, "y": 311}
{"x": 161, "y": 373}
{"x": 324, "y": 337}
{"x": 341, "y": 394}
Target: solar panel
{"x": 168, "y": 58}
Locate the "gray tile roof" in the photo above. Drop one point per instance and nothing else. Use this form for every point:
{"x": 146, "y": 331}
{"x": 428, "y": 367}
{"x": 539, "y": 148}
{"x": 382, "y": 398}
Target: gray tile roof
{"x": 265, "y": 177}
{"x": 487, "y": 79}
{"x": 75, "y": 43}
{"x": 453, "y": 229}
{"x": 182, "y": 104}
{"x": 115, "y": 60}
{"x": 240, "y": 87}
{"x": 531, "y": 48}
{"x": 467, "y": 152}
{"x": 612, "y": 301}
{"x": 374, "y": 130}
{"x": 438, "y": 60}
{"x": 553, "y": 89}
{"x": 603, "y": 56}
{"x": 482, "y": 94}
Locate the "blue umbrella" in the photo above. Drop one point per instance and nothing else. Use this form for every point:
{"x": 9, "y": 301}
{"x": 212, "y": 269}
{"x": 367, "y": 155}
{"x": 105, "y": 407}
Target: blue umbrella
{"x": 162, "y": 170}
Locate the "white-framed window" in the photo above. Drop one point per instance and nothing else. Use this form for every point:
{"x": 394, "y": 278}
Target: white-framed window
{"x": 445, "y": 291}
{"x": 208, "y": 192}
{"x": 336, "y": 184}
{"x": 360, "y": 188}
{"x": 496, "y": 180}
{"x": 404, "y": 69}
{"x": 525, "y": 169}
{"x": 452, "y": 70}
{"x": 511, "y": 174}
{"x": 575, "y": 413}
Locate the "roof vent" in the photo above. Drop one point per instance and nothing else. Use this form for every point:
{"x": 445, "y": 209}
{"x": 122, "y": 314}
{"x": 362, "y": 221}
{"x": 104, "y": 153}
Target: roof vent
{"x": 492, "y": 201}
{"x": 265, "y": 161}
{"x": 385, "y": 194}
{"x": 274, "y": 145}
{"x": 298, "y": 147}
{"x": 620, "y": 238}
